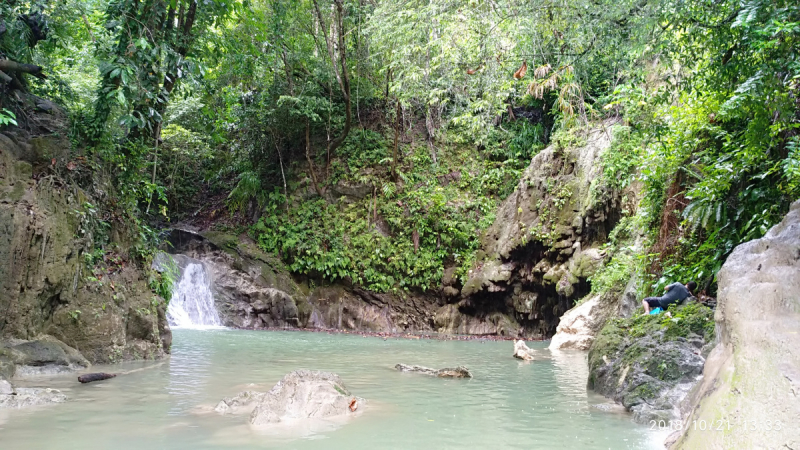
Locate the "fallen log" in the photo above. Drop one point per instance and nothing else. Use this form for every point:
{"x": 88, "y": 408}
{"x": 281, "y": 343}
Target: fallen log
{"x": 89, "y": 377}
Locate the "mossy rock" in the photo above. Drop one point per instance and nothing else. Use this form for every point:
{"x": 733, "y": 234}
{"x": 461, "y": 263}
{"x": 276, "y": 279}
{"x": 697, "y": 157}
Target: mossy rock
{"x": 642, "y": 360}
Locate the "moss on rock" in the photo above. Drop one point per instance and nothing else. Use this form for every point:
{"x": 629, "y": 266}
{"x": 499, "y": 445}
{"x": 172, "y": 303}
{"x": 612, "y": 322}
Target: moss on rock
{"x": 647, "y": 362}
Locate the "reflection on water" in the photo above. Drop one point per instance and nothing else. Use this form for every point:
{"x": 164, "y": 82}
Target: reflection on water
{"x": 509, "y": 404}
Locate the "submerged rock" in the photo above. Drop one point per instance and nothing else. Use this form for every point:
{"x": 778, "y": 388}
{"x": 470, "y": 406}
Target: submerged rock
{"x": 25, "y": 397}
{"x": 522, "y": 351}
{"x": 649, "y": 363}
{"x": 458, "y": 372}
{"x": 752, "y": 378}
{"x": 305, "y": 394}
{"x": 239, "y": 402}
{"x": 90, "y": 377}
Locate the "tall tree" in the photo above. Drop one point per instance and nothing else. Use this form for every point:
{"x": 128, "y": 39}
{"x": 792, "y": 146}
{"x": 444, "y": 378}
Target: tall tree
{"x": 154, "y": 40}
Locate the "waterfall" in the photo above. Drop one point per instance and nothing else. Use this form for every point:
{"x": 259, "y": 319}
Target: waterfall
{"x": 192, "y": 303}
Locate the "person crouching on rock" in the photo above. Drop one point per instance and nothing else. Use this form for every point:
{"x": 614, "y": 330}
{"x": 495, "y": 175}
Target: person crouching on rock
{"x": 676, "y": 293}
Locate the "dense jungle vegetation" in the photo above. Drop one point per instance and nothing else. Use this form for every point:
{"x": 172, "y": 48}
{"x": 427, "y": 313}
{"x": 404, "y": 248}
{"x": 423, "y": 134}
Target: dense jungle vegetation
{"x": 371, "y": 141}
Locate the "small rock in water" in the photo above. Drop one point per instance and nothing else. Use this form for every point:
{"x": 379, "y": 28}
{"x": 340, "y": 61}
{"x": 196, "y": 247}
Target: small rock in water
{"x": 89, "y": 377}
{"x": 458, "y": 372}
{"x": 522, "y": 351}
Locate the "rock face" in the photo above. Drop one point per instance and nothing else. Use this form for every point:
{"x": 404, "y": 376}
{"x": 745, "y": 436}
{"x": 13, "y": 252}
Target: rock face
{"x": 46, "y": 286}
{"x": 578, "y": 327}
{"x": 752, "y": 378}
{"x": 251, "y": 289}
{"x": 536, "y": 257}
{"x": 458, "y": 372}
{"x": 356, "y": 309}
{"x": 649, "y": 363}
{"x": 305, "y": 394}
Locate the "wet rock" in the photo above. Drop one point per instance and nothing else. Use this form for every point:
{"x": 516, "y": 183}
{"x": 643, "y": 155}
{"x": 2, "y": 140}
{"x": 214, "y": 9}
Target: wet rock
{"x": 43, "y": 356}
{"x": 458, "y": 372}
{"x": 243, "y": 401}
{"x": 450, "y": 319}
{"x": 305, "y": 394}
{"x": 25, "y": 397}
{"x": 522, "y": 351}
{"x": 752, "y": 377}
{"x": 650, "y": 367}
{"x": 91, "y": 377}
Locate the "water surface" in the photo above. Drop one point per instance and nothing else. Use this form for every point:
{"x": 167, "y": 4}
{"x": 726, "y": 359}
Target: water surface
{"x": 509, "y": 404}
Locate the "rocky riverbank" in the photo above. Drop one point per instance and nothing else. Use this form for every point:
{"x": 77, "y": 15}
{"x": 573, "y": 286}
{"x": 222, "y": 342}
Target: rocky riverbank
{"x": 51, "y": 279}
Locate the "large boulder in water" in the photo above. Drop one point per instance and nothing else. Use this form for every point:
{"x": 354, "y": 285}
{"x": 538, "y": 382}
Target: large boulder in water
{"x": 522, "y": 351}
{"x": 649, "y": 363}
{"x": 305, "y": 394}
{"x": 751, "y": 380}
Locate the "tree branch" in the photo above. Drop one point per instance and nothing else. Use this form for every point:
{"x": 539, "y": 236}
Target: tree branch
{"x": 7, "y": 65}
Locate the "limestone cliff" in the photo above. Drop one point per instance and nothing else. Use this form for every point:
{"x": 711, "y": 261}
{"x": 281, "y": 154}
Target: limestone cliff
{"x": 46, "y": 284}
{"x": 535, "y": 259}
{"x": 751, "y": 380}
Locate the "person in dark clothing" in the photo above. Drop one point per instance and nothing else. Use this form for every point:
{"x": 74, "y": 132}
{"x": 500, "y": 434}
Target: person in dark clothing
{"x": 675, "y": 293}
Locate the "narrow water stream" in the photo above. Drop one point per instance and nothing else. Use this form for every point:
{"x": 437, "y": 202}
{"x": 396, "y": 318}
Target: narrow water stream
{"x": 509, "y": 404}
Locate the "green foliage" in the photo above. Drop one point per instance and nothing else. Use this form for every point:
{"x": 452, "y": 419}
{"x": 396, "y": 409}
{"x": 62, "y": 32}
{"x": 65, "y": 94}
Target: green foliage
{"x": 7, "y": 118}
{"x": 722, "y": 130}
{"x": 624, "y": 262}
{"x": 343, "y": 240}
{"x": 162, "y": 282}
{"x": 75, "y": 315}
{"x": 364, "y": 148}
{"x": 622, "y": 159}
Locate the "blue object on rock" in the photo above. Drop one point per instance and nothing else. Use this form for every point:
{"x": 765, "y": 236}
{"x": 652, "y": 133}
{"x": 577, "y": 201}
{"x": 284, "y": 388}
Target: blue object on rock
{"x": 656, "y": 310}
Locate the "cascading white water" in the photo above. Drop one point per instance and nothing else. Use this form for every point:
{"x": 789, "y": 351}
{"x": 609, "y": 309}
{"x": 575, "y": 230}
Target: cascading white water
{"x": 192, "y": 303}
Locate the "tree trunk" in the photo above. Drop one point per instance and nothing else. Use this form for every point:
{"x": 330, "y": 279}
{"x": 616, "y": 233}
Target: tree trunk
{"x": 342, "y": 76}
{"x": 311, "y": 161}
{"x": 398, "y": 124}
